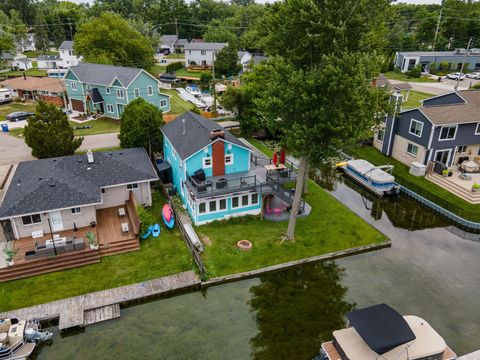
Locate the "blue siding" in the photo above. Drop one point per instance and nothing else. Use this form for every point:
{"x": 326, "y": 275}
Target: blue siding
{"x": 447, "y": 99}
{"x": 403, "y": 127}
{"x": 230, "y": 211}
{"x": 142, "y": 82}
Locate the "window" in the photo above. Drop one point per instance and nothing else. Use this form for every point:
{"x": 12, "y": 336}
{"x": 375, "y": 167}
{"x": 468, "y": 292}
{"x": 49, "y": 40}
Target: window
{"x": 31, "y": 219}
{"x": 448, "y": 133}
{"x": 223, "y": 204}
{"x": 76, "y": 210}
{"x": 136, "y": 92}
{"x": 132, "y": 186}
{"x": 189, "y": 52}
{"x": 103, "y": 191}
{"x": 477, "y": 66}
{"x": 235, "y": 202}
{"x": 202, "y": 208}
{"x": 107, "y": 90}
{"x": 416, "y": 128}
{"x": 110, "y": 108}
{"x": 477, "y": 130}
{"x": 245, "y": 200}
{"x": 462, "y": 149}
{"x": 212, "y": 206}
{"x": 120, "y": 94}
{"x": 207, "y": 162}
{"x": 412, "y": 149}
{"x": 70, "y": 52}
{"x": 150, "y": 90}
{"x": 380, "y": 135}
{"x": 203, "y": 52}
{"x": 163, "y": 103}
{"x": 229, "y": 159}
{"x": 74, "y": 86}
{"x": 254, "y": 199}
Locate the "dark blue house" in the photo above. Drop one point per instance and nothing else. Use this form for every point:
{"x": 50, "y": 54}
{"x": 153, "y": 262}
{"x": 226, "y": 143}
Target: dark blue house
{"x": 445, "y": 129}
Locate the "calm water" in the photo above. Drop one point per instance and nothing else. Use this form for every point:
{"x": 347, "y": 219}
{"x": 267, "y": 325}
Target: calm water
{"x": 428, "y": 271}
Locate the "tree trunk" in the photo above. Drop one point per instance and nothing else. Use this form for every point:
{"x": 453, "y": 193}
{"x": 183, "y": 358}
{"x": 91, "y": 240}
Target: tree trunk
{"x": 302, "y": 167}
{"x": 305, "y": 181}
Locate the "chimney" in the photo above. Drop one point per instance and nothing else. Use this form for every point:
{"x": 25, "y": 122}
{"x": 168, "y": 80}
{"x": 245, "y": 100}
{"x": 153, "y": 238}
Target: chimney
{"x": 90, "y": 156}
{"x": 217, "y": 133}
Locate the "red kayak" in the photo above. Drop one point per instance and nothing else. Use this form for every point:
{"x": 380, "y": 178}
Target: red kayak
{"x": 167, "y": 215}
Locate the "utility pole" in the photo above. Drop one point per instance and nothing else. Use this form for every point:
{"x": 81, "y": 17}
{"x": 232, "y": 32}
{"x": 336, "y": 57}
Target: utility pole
{"x": 437, "y": 29}
{"x": 176, "y": 27}
{"x": 463, "y": 63}
{"x": 214, "y": 83}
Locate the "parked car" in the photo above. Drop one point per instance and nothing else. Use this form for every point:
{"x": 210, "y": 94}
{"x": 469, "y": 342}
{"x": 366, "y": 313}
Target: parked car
{"x": 220, "y": 110}
{"x": 455, "y": 76}
{"x": 5, "y": 96}
{"x": 19, "y": 115}
{"x": 473, "y": 75}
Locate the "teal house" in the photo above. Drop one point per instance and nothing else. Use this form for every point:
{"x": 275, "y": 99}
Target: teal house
{"x": 219, "y": 176}
{"x": 107, "y": 89}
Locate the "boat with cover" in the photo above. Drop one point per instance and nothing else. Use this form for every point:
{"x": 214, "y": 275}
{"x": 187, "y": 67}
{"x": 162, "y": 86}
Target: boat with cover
{"x": 18, "y": 338}
{"x": 168, "y": 217}
{"x": 377, "y": 179}
{"x": 380, "y": 332}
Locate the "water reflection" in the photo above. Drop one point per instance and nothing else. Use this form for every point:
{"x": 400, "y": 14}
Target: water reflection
{"x": 297, "y": 309}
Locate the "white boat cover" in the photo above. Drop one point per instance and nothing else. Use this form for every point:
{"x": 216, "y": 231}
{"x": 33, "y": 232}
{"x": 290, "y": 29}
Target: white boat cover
{"x": 365, "y": 168}
{"x": 427, "y": 343}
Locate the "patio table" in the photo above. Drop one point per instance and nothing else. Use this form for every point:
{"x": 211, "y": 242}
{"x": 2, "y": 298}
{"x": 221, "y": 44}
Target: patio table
{"x": 469, "y": 166}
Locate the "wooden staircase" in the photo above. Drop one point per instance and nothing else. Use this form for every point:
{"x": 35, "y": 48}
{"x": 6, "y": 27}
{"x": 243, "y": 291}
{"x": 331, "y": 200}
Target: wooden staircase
{"x": 46, "y": 265}
{"x": 119, "y": 247}
{"x": 456, "y": 189}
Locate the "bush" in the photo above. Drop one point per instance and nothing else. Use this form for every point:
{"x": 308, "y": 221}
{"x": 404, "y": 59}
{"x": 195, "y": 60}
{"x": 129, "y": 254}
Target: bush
{"x": 476, "y": 86}
{"x": 174, "y": 66}
{"x": 146, "y": 218}
{"x": 205, "y": 79}
{"x": 443, "y": 66}
{"x": 416, "y": 72}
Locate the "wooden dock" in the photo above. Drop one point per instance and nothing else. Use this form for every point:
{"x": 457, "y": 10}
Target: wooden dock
{"x": 472, "y": 356}
{"x": 104, "y": 305}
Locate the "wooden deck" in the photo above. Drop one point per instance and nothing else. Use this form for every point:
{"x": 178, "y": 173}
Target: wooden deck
{"x": 109, "y": 226}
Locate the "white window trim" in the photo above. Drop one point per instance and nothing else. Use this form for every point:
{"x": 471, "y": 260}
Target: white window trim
{"x": 476, "y": 129}
{"x": 164, "y": 102}
{"x": 205, "y": 166}
{"x": 74, "y": 210}
{"x": 150, "y": 90}
{"x": 376, "y": 136}
{"x": 74, "y": 86}
{"x": 120, "y": 91}
{"x": 462, "y": 152}
{"x": 443, "y": 150}
{"x": 409, "y": 153}
{"x": 240, "y": 206}
{"x": 231, "y": 159}
{"x": 110, "y": 106}
{"x": 33, "y": 223}
{"x": 410, "y": 128}
{"x": 133, "y": 186}
{"x": 135, "y": 93}
{"x": 447, "y": 126}
{"x": 107, "y": 91}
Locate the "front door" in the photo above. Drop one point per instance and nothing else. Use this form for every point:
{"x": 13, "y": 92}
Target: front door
{"x": 56, "y": 221}
{"x": 442, "y": 156}
{"x": 218, "y": 158}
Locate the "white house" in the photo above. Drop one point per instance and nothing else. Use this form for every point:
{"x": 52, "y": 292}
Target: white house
{"x": 67, "y": 55}
{"x": 247, "y": 59}
{"x": 21, "y": 62}
{"x": 48, "y": 61}
{"x": 202, "y": 53}
{"x": 27, "y": 44}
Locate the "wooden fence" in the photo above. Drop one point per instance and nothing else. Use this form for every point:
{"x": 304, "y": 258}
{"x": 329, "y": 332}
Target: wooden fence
{"x": 131, "y": 205}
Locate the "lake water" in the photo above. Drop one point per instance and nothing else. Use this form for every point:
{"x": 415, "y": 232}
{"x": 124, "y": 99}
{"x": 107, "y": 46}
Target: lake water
{"x": 429, "y": 271}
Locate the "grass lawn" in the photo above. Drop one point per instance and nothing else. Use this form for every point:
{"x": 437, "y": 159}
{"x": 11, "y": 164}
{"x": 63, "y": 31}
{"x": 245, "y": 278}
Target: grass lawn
{"x": 158, "y": 69}
{"x": 331, "y": 226}
{"x": 175, "y": 56}
{"x": 158, "y": 257}
{"x": 415, "y": 98}
{"x": 177, "y": 104}
{"x": 29, "y": 72}
{"x": 430, "y": 190}
{"x": 396, "y": 75}
{"x": 35, "y": 54}
{"x": 13, "y": 106}
{"x": 192, "y": 73}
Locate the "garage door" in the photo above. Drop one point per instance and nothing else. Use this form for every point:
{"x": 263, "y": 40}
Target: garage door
{"x": 77, "y": 105}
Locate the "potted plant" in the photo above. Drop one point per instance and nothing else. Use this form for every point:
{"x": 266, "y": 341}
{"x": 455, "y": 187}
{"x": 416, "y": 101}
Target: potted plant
{"x": 9, "y": 254}
{"x": 475, "y": 187}
{"x": 92, "y": 241}
{"x": 445, "y": 172}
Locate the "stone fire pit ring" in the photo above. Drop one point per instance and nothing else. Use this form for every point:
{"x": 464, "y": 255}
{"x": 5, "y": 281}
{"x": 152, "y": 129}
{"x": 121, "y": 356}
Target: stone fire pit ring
{"x": 244, "y": 245}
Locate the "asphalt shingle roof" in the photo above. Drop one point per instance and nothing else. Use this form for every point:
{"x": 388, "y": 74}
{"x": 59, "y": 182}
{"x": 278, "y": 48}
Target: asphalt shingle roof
{"x": 196, "y": 135}
{"x": 66, "y": 45}
{"x": 200, "y": 45}
{"x": 70, "y": 181}
{"x": 101, "y": 74}
{"x": 48, "y": 57}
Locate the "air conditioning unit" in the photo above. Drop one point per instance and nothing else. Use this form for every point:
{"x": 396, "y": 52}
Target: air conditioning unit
{"x": 417, "y": 169}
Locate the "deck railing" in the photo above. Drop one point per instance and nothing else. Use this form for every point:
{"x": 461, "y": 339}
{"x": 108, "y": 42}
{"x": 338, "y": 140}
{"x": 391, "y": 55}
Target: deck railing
{"x": 262, "y": 161}
{"x": 222, "y": 186}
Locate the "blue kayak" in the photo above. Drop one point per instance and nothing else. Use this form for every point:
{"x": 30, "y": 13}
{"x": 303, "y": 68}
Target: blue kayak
{"x": 156, "y": 230}
{"x": 148, "y": 233}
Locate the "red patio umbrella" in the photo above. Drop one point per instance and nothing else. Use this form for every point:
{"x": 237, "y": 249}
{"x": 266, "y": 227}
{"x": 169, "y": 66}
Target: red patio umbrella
{"x": 282, "y": 156}
{"x": 275, "y": 158}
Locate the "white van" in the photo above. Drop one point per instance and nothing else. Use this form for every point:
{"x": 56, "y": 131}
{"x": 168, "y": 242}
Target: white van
{"x": 5, "y": 96}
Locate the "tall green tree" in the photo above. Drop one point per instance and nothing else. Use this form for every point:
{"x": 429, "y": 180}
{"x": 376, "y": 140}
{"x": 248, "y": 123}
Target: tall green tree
{"x": 109, "y": 39}
{"x": 226, "y": 62}
{"x": 18, "y": 28}
{"x": 42, "y": 40}
{"x": 6, "y": 35}
{"x": 57, "y": 31}
{"x": 49, "y": 134}
{"x": 140, "y": 126}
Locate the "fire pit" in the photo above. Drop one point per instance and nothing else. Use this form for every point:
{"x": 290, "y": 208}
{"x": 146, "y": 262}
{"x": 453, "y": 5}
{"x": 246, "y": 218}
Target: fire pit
{"x": 244, "y": 245}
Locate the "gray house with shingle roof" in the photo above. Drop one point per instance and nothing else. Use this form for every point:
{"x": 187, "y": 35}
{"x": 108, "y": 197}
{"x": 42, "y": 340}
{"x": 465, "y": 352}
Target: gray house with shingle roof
{"x": 107, "y": 89}
{"x": 202, "y": 53}
{"x": 444, "y": 129}
{"x": 57, "y": 194}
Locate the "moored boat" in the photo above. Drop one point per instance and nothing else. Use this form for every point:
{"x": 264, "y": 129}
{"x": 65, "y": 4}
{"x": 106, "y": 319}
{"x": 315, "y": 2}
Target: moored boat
{"x": 167, "y": 215}
{"x": 18, "y": 338}
{"x": 380, "y": 332}
{"x": 377, "y": 179}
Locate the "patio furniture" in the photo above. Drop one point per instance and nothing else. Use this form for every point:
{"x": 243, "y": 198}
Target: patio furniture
{"x": 121, "y": 212}
{"x": 56, "y": 236}
{"x": 283, "y": 174}
{"x": 465, "y": 176}
{"x": 69, "y": 245}
{"x": 470, "y": 166}
{"x": 221, "y": 183}
{"x": 125, "y": 228}
{"x": 50, "y": 252}
{"x": 40, "y": 250}
{"x": 78, "y": 244}
{"x": 31, "y": 254}
{"x": 60, "y": 248}
{"x": 37, "y": 234}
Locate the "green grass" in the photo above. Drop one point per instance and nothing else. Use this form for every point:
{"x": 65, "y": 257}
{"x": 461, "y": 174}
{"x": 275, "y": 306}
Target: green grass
{"x": 35, "y": 54}
{"x": 192, "y": 73}
{"x": 13, "y": 106}
{"x": 415, "y": 99}
{"x": 175, "y": 56}
{"x": 331, "y": 226}
{"x": 29, "y": 72}
{"x": 158, "y": 69}
{"x": 432, "y": 191}
{"x": 396, "y": 75}
{"x": 177, "y": 104}
{"x": 157, "y": 257}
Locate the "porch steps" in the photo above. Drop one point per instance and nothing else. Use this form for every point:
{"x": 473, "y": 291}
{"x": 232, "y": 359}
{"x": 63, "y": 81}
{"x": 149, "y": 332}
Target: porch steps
{"x": 469, "y": 196}
{"x": 46, "y": 265}
{"x": 119, "y": 247}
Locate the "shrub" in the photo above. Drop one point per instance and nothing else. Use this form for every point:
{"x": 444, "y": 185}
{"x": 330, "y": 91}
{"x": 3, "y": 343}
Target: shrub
{"x": 174, "y": 66}
{"x": 416, "y": 72}
{"x": 443, "y": 66}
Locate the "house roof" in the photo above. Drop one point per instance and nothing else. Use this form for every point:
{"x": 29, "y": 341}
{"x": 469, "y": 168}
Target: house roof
{"x": 95, "y": 95}
{"x": 437, "y": 53}
{"x": 101, "y": 74}
{"x": 466, "y": 112}
{"x": 169, "y": 39}
{"x": 35, "y": 83}
{"x": 7, "y": 56}
{"x": 48, "y": 57}
{"x": 70, "y": 181}
{"x": 24, "y": 60}
{"x": 66, "y": 45}
{"x": 200, "y": 45}
{"x": 196, "y": 134}
{"x": 181, "y": 42}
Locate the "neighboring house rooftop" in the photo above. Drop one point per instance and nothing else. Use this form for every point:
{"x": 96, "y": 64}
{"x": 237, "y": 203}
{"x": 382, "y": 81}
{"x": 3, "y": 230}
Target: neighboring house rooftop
{"x": 457, "y": 52}
{"x": 181, "y": 42}
{"x": 169, "y": 40}
{"x": 7, "y": 56}
{"x": 66, "y": 45}
{"x": 200, "y": 45}
{"x": 190, "y": 132}
{"x": 35, "y": 83}
{"x": 101, "y": 74}
{"x": 459, "y": 113}
{"x": 48, "y": 57}
{"x": 70, "y": 181}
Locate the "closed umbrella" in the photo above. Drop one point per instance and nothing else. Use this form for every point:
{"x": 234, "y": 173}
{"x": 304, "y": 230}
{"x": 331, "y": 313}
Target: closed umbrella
{"x": 275, "y": 158}
{"x": 282, "y": 156}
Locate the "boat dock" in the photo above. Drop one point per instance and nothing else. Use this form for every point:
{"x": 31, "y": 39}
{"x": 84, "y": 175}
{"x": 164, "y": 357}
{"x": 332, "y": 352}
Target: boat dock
{"x": 104, "y": 305}
{"x": 472, "y": 356}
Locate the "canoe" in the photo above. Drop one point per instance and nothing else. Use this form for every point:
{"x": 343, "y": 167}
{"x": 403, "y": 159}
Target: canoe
{"x": 156, "y": 230}
{"x": 167, "y": 216}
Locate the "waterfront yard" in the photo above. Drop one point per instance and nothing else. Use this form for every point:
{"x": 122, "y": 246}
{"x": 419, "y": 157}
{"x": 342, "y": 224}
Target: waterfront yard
{"x": 157, "y": 257}
{"x": 177, "y": 104}
{"x": 192, "y": 73}
{"x": 13, "y": 106}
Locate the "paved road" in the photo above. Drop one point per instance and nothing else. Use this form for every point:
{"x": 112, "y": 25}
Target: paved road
{"x": 100, "y": 141}
{"x": 438, "y": 88}
{"x": 13, "y": 150}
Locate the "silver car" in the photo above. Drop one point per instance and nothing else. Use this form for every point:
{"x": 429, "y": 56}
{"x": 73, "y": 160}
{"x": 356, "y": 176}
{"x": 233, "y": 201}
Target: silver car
{"x": 455, "y": 76}
{"x": 473, "y": 75}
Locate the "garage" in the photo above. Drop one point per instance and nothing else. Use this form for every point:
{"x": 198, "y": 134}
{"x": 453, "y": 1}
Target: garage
{"x": 77, "y": 105}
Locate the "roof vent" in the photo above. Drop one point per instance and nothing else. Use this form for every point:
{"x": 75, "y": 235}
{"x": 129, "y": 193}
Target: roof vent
{"x": 80, "y": 161}
{"x": 183, "y": 127}
{"x": 217, "y": 133}
{"x": 19, "y": 182}
{"x": 40, "y": 178}
{"x": 90, "y": 156}
{"x": 89, "y": 168}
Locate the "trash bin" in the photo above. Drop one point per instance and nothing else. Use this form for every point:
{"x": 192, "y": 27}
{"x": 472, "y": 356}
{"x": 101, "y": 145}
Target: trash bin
{"x": 5, "y": 127}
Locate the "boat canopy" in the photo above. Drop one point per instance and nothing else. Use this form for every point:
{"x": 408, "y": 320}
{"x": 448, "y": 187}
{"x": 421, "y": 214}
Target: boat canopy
{"x": 370, "y": 171}
{"x": 381, "y": 327}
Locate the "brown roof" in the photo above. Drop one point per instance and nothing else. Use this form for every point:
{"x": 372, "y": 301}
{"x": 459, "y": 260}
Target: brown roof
{"x": 456, "y": 113}
{"x": 35, "y": 83}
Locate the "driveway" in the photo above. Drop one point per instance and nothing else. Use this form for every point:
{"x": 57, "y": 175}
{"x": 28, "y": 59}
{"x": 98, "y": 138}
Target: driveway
{"x": 100, "y": 141}
{"x": 13, "y": 150}
{"x": 438, "y": 88}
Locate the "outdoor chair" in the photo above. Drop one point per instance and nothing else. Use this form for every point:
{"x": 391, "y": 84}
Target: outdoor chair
{"x": 40, "y": 250}
{"x": 78, "y": 244}
{"x": 201, "y": 187}
{"x": 31, "y": 254}
{"x": 60, "y": 249}
{"x": 50, "y": 252}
